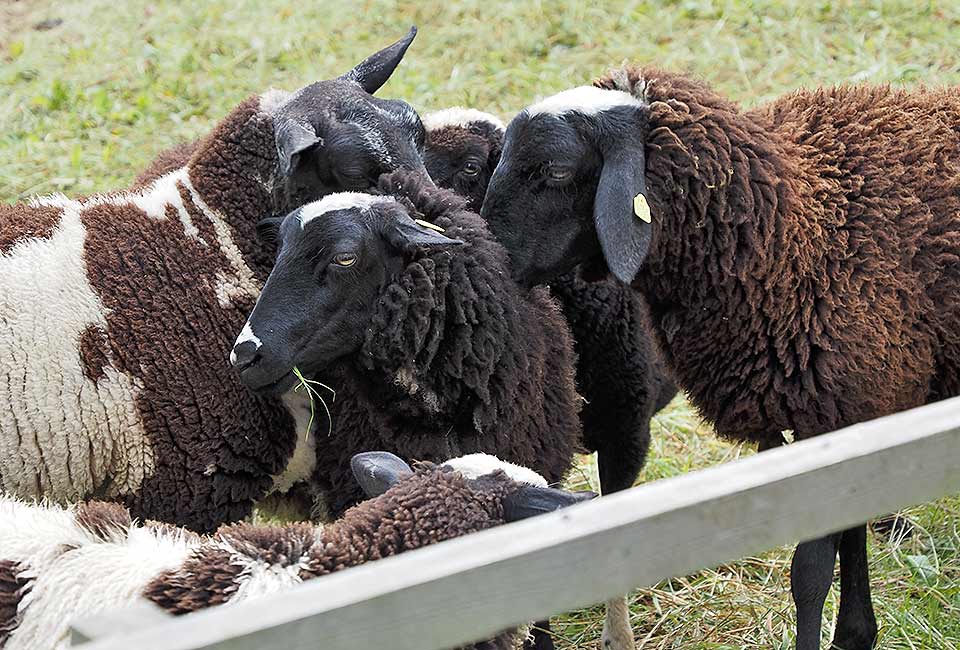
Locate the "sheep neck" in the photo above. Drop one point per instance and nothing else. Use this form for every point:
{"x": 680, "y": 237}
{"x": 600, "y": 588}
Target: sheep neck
{"x": 234, "y": 172}
{"x": 735, "y": 241}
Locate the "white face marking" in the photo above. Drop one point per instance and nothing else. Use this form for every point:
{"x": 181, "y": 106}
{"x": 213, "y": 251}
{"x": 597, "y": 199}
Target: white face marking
{"x": 246, "y": 334}
{"x": 459, "y": 116}
{"x": 589, "y": 100}
{"x": 340, "y": 201}
{"x": 476, "y": 465}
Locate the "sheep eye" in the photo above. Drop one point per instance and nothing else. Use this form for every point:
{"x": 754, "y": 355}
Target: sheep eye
{"x": 344, "y": 259}
{"x": 557, "y": 174}
{"x": 470, "y": 168}
{"x": 353, "y": 177}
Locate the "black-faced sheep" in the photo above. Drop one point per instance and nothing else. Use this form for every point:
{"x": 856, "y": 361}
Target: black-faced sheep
{"x": 433, "y": 352}
{"x": 59, "y": 564}
{"x": 801, "y": 260}
{"x": 117, "y": 310}
{"x": 618, "y": 372}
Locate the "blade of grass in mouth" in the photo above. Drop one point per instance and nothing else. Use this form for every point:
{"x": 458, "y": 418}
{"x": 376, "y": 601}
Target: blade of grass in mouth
{"x": 308, "y": 385}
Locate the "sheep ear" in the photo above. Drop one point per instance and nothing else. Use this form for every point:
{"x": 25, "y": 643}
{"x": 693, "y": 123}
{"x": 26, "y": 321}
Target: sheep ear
{"x": 621, "y": 213}
{"x": 531, "y": 500}
{"x": 378, "y": 471}
{"x": 373, "y": 72}
{"x": 268, "y": 229}
{"x": 293, "y": 139}
{"x": 406, "y": 235}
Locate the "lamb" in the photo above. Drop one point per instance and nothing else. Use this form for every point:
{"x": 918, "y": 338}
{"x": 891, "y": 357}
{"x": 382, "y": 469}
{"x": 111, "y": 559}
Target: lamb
{"x": 620, "y": 375}
{"x": 801, "y": 260}
{"x": 58, "y": 564}
{"x": 117, "y": 310}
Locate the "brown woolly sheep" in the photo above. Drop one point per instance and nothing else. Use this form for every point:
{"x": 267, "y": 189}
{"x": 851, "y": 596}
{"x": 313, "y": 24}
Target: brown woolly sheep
{"x": 117, "y": 310}
{"x": 58, "y": 564}
{"x": 801, "y": 260}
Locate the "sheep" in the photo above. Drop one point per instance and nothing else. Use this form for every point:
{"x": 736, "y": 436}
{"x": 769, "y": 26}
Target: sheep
{"x": 619, "y": 373}
{"x": 117, "y": 310}
{"x": 58, "y": 564}
{"x": 431, "y": 354}
{"x": 800, "y": 259}
{"x": 430, "y": 347}
{"x": 621, "y": 377}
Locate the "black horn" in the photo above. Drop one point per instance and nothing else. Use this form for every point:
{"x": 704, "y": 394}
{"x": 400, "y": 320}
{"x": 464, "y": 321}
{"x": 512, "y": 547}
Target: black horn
{"x": 373, "y": 71}
{"x": 378, "y": 471}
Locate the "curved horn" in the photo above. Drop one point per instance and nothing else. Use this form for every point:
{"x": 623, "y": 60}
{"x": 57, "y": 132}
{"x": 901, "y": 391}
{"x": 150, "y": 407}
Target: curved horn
{"x": 373, "y": 71}
{"x": 378, "y": 471}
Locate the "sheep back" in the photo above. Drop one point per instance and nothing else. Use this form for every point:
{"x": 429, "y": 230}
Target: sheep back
{"x": 117, "y": 313}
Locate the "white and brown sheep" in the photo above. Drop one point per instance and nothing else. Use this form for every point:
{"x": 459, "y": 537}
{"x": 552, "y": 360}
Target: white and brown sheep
{"x": 117, "y": 311}
{"x": 58, "y": 564}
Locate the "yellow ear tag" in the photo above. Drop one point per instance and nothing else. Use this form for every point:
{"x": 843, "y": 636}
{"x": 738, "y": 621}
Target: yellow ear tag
{"x": 427, "y": 224}
{"x": 641, "y": 208}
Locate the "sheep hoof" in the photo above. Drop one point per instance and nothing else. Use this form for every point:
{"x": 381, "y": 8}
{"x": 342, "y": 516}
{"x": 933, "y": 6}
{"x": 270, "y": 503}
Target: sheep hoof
{"x": 617, "y": 633}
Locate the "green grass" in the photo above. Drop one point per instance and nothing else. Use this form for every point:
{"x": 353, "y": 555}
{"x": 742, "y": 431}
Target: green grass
{"x": 84, "y": 106}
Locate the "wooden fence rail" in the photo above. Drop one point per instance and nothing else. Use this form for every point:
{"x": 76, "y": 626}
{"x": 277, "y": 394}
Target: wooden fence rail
{"x": 469, "y": 588}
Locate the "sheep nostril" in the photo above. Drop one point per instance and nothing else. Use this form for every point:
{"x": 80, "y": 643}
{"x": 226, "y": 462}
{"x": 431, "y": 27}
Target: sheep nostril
{"x": 245, "y": 355}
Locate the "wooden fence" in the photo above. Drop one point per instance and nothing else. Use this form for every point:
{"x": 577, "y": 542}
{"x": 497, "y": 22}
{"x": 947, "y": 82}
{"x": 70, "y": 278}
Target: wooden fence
{"x": 469, "y": 588}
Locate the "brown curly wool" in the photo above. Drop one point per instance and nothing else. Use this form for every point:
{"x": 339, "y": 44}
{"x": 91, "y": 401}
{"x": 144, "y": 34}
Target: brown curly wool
{"x": 74, "y": 562}
{"x": 119, "y": 310}
{"x": 805, "y": 269}
{"x": 431, "y": 506}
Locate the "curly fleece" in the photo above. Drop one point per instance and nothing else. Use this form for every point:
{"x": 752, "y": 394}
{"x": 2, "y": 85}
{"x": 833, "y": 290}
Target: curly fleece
{"x": 119, "y": 560}
{"x": 117, "y": 313}
{"x": 456, "y": 360}
{"x": 805, "y": 267}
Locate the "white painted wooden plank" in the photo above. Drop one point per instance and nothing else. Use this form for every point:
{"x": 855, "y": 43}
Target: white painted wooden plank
{"x": 469, "y": 588}
{"x": 139, "y": 616}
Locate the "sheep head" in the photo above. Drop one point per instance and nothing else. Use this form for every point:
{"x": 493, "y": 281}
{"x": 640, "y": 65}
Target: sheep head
{"x": 516, "y": 492}
{"x": 570, "y": 186}
{"x": 462, "y": 149}
{"x": 334, "y": 135}
{"x": 335, "y": 256}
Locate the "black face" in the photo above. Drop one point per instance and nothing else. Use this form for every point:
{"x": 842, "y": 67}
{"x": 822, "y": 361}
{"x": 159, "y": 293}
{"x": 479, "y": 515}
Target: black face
{"x": 462, "y": 159}
{"x": 552, "y": 184}
{"x": 334, "y": 135}
{"x": 342, "y": 139}
{"x": 320, "y": 297}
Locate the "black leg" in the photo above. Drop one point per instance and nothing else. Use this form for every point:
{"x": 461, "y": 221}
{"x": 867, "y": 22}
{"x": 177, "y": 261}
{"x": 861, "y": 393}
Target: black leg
{"x": 770, "y": 443}
{"x": 811, "y": 575}
{"x": 620, "y": 467}
{"x": 856, "y": 625}
{"x": 892, "y": 526}
{"x": 542, "y": 639}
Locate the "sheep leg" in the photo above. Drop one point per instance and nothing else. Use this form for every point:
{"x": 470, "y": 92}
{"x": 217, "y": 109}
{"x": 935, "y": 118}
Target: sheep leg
{"x": 856, "y": 624}
{"x": 620, "y": 466}
{"x": 618, "y": 471}
{"x": 617, "y": 633}
{"x": 811, "y": 575}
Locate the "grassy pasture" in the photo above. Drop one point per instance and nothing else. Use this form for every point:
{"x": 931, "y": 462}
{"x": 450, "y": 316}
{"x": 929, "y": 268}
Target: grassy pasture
{"x": 87, "y": 102}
